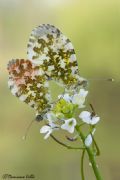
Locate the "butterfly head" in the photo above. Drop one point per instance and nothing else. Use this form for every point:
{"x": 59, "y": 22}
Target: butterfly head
{"x": 82, "y": 82}
{"x": 39, "y": 117}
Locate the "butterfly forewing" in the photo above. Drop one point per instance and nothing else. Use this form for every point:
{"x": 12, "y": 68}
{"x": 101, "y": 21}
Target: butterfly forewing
{"x": 54, "y": 53}
{"x": 29, "y": 84}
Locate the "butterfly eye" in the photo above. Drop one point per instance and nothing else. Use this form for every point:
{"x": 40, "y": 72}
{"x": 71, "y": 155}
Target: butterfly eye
{"x": 39, "y": 118}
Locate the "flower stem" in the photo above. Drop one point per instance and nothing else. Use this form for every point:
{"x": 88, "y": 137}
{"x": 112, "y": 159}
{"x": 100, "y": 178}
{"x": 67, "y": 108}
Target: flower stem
{"x": 97, "y": 148}
{"x": 91, "y": 156}
{"x": 65, "y": 145}
{"x": 82, "y": 165}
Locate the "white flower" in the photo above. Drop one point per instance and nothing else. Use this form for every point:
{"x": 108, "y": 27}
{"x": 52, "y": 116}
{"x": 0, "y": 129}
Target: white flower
{"x": 89, "y": 139}
{"x": 48, "y": 129}
{"x": 66, "y": 97}
{"x": 79, "y": 98}
{"x": 51, "y": 117}
{"x": 88, "y": 118}
{"x": 69, "y": 125}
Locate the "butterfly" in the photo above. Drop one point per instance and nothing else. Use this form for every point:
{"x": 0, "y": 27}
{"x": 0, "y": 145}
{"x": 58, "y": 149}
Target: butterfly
{"x": 51, "y": 56}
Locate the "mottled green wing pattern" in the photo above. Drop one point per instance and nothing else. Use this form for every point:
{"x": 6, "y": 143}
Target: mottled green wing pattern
{"x": 54, "y": 53}
{"x": 28, "y": 83}
{"x": 51, "y": 56}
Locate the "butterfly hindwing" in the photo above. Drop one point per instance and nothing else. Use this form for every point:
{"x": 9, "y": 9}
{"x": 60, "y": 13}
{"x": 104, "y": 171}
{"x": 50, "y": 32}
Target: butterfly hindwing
{"x": 28, "y": 83}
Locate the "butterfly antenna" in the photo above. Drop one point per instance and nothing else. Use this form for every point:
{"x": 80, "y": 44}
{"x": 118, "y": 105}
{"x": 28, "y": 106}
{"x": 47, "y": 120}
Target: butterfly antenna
{"x": 102, "y": 79}
{"x": 27, "y": 130}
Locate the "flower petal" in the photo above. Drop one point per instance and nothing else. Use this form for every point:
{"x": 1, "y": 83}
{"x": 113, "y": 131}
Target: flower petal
{"x": 88, "y": 140}
{"x": 45, "y": 129}
{"x": 48, "y": 134}
{"x": 66, "y": 97}
{"x": 69, "y": 125}
{"x": 85, "y": 116}
{"x": 64, "y": 126}
{"x": 79, "y": 98}
{"x": 51, "y": 117}
{"x": 83, "y": 92}
{"x": 71, "y": 129}
{"x": 95, "y": 120}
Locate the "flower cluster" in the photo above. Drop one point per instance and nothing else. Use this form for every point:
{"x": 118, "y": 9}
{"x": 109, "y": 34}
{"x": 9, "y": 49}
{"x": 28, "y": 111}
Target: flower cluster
{"x": 63, "y": 115}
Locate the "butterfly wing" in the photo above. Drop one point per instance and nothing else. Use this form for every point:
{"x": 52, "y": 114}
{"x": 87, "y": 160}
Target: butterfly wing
{"x": 28, "y": 83}
{"x": 54, "y": 52}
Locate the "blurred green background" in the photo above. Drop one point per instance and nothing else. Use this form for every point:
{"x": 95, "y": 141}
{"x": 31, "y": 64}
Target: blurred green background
{"x": 94, "y": 28}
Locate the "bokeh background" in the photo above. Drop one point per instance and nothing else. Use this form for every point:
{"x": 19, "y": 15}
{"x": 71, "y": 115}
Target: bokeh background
{"x": 94, "y": 28}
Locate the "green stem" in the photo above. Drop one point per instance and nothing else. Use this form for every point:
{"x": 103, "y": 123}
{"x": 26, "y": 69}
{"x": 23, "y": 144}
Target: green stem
{"x": 65, "y": 145}
{"x": 97, "y": 148}
{"x": 91, "y": 157}
{"x": 82, "y": 165}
